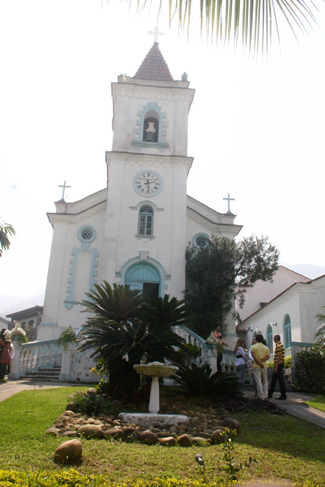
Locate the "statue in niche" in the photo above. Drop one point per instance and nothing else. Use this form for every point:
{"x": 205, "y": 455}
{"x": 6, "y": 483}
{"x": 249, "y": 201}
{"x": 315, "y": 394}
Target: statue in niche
{"x": 150, "y": 130}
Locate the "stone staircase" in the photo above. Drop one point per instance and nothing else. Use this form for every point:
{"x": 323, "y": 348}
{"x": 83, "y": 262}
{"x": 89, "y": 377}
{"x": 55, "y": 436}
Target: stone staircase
{"x": 48, "y": 374}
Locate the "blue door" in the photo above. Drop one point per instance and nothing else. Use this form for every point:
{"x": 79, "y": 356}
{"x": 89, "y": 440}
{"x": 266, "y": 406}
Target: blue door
{"x": 144, "y": 277}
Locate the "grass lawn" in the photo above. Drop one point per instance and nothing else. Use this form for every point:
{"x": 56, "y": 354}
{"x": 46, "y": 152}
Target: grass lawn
{"x": 285, "y": 447}
{"x": 318, "y": 403}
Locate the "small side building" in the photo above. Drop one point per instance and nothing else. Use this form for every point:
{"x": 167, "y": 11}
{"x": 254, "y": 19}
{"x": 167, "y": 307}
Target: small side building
{"x": 28, "y": 319}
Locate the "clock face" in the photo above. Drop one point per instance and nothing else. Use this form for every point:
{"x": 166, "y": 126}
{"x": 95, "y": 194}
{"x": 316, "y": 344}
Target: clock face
{"x": 147, "y": 183}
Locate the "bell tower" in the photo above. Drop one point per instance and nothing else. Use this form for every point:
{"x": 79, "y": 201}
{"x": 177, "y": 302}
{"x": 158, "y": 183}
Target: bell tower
{"x": 147, "y": 169}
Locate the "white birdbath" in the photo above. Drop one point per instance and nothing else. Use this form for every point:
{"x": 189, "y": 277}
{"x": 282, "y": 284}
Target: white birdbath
{"x": 155, "y": 370}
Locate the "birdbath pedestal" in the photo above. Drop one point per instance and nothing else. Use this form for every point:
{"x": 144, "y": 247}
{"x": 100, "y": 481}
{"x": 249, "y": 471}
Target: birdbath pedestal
{"x": 155, "y": 370}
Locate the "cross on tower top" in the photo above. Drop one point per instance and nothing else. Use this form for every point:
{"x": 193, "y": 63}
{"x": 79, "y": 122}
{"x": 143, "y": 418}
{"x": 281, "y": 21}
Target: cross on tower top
{"x": 229, "y": 199}
{"x": 64, "y": 186}
{"x": 156, "y": 33}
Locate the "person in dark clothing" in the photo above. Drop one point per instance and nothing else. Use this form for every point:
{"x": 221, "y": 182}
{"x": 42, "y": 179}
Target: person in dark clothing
{"x": 278, "y": 370}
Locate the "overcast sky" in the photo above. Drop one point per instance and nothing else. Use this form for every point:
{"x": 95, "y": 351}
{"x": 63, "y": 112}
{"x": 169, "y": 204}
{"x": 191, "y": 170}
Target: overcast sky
{"x": 256, "y": 130}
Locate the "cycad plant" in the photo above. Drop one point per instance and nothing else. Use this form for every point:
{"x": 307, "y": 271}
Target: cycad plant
{"x": 125, "y": 327}
{"x": 198, "y": 380}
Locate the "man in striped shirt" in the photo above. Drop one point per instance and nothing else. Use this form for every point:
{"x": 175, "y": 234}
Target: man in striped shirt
{"x": 278, "y": 369}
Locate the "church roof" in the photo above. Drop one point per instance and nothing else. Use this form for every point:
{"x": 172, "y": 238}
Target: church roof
{"x": 154, "y": 66}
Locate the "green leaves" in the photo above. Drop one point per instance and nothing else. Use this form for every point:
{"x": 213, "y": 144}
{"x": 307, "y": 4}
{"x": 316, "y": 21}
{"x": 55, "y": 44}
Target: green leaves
{"x": 251, "y": 23}
{"x": 220, "y": 272}
{"x": 123, "y": 322}
{"x": 197, "y": 380}
{"x": 6, "y": 231}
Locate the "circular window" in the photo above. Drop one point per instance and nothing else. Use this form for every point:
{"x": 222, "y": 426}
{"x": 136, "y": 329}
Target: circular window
{"x": 201, "y": 241}
{"x": 86, "y": 234}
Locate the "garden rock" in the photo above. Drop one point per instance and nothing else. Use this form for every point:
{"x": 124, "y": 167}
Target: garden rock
{"x": 148, "y": 437}
{"x": 91, "y": 431}
{"x": 198, "y": 440}
{"x": 128, "y": 433}
{"x": 113, "y": 433}
{"x": 230, "y": 423}
{"x": 92, "y": 391}
{"x": 168, "y": 441}
{"x": 218, "y": 435}
{"x": 185, "y": 440}
{"x": 52, "y": 431}
{"x": 68, "y": 452}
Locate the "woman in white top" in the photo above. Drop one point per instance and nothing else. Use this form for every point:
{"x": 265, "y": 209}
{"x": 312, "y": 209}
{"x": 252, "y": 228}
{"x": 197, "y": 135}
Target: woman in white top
{"x": 241, "y": 359}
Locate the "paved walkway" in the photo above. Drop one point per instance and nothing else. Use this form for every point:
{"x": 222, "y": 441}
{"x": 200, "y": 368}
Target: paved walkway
{"x": 12, "y": 387}
{"x": 294, "y": 405}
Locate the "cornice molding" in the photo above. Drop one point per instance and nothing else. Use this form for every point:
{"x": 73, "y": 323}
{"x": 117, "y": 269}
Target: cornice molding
{"x": 156, "y": 92}
{"x": 148, "y": 160}
{"x": 77, "y": 217}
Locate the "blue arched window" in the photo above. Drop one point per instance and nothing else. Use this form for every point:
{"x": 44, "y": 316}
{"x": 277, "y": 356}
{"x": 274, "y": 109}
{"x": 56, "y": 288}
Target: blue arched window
{"x": 145, "y": 225}
{"x": 287, "y": 331}
{"x": 269, "y": 338}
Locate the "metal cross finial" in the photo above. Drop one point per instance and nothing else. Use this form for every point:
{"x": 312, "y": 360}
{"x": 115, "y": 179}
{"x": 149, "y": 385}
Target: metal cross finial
{"x": 156, "y": 33}
{"x": 64, "y": 186}
{"x": 229, "y": 199}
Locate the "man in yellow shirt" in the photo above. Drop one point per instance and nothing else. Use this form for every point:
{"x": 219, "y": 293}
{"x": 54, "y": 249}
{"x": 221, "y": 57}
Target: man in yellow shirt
{"x": 260, "y": 354}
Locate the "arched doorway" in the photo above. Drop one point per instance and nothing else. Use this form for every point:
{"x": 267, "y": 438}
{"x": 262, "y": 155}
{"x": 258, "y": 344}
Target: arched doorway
{"x": 144, "y": 277}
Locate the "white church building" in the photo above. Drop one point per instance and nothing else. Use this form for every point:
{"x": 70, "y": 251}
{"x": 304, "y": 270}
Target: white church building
{"x": 134, "y": 231}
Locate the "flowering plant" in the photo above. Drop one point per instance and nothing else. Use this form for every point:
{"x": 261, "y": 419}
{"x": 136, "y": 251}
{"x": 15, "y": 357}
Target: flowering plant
{"x": 212, "y": 340}
{"x": 18, "y": 334}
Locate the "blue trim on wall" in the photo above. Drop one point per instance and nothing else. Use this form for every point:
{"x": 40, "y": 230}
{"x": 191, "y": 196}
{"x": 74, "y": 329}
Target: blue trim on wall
{"x": 70, "y": 300}
{"x": 139, "y": 143}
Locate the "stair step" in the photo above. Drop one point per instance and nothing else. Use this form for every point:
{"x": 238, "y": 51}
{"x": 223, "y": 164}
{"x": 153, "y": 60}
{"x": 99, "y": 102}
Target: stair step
{"x": 40, "y": 378}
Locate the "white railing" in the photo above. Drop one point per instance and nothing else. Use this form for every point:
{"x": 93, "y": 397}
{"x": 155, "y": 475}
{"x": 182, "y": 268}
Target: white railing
{"x": 209, "y": 353}
{"x": 75, "y": 366}
{"x": 33, "y": 356}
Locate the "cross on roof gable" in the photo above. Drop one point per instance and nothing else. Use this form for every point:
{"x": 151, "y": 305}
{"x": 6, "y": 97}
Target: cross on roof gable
{"x": 154, "y": 67}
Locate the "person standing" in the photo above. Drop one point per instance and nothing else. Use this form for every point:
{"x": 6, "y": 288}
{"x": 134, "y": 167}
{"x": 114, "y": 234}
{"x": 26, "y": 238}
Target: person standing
{"x": 251, "y": 368}
{"x": 260, "y": 354}
{"x": 5, "y": 360}
{"x": 217, "y": 334}
{"x": 278, "y": 370}
{"x": 241, "y": 359}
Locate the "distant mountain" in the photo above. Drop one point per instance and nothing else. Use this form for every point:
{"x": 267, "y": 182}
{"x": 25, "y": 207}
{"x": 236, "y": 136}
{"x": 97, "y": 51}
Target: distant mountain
{"x": 11, "y": 304}
{"x": 307, "y": 270}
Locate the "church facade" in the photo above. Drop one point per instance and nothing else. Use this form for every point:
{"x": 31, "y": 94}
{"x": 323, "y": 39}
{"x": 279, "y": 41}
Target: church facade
{"x": 134, "y": 231}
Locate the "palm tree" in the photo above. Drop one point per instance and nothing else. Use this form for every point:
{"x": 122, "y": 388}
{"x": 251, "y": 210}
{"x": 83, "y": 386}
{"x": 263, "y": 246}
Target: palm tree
{"x": 126, "y": 327}
{"x": 6, "y": 230}
{"x": 253, "y": 23}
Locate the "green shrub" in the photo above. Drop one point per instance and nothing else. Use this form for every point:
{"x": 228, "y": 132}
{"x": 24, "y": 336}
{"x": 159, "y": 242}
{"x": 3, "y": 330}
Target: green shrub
{"x": 288, "y": 362}
{"x": 72, "y": 478}
{"x": 67, "y": 336}
{"x": 305, "y": 364}
{"x": 89, "y": 404}
{"x": 197, "y": 380}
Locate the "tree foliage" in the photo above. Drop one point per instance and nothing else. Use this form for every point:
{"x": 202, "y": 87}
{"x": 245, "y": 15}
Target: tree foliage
{"x": 220, "y": 272}
{"x": 251, "y": 23}
{"x": 198, "y": 380}
{"x": 6, "y": 231}
{"x": 125, "y": 327}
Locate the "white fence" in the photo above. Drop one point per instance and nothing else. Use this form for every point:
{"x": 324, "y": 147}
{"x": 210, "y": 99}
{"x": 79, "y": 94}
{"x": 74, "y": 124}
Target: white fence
{"x": 33, "y": 356}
